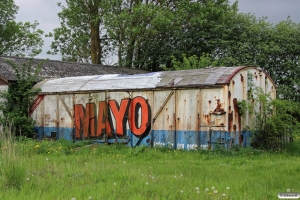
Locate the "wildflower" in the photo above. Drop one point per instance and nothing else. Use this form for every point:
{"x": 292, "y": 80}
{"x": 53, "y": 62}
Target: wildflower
{"x": 288, "y": 190}
{"x": 206, "y": 189}
{"x": 142, "y": 174}
{"x": 197, "y": 188}
{"x": 215, "y": 191}
{"x": 27, "y": 179}
{"x": 90, "y": 197}
{"x": 73, "y": 198}
{"x": 212, "y": 187}
{"x": 47, "y": 159}
{"x": 224, "y": 195}
{"x": 147, "y": 183}
{"x": 181, "y": 191}
{"x": 124, "y": 162}
{"x": 198, "y": 192}
{"x": 115, "y": 184}
{"x": 174, "y": 176}
{"x": 227, "y": 188}
{"x": 181, "y": 174}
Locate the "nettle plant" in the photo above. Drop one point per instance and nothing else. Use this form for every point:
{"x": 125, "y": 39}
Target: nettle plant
{"x": 17, "y": 100}
{"x": 272, "y": 121}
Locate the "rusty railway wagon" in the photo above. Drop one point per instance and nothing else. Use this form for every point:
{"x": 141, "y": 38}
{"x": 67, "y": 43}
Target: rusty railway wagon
{"x": 186, "y": 109}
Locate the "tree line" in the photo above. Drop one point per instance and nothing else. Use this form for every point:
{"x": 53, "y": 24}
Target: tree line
{"x": 162, "y": 34}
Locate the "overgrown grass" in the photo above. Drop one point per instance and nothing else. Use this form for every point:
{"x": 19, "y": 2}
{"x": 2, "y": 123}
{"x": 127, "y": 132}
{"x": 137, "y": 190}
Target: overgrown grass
{"x": 66, "y": 170}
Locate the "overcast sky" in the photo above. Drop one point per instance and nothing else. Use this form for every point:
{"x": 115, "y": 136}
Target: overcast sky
{"x": 45, "y": 12}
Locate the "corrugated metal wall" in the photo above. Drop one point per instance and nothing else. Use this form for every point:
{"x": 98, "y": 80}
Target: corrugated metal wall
{"x": 180, "y": 118}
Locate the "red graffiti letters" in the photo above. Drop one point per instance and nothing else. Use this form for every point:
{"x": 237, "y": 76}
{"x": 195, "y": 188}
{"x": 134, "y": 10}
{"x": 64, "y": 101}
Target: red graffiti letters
{"x": 136, "y": 112}
{"x": 136, "y": 104}
{"x": 119, "y": 113}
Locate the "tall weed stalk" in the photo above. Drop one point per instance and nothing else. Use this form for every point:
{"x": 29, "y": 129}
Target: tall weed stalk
{"x": 12, "y": 168}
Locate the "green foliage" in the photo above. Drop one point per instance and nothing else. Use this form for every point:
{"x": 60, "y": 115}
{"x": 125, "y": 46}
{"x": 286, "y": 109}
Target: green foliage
{"x": 18, "y": 98}
{"x": 271, "y": 119}
{"x": 192, "y": 62}
{"x": 17, "y": 38}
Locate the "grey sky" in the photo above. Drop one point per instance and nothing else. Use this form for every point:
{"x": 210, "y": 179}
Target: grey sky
{"x": 45, "y": 12}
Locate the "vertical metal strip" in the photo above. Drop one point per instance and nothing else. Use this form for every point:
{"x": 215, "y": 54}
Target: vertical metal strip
{"x": 57, "y": 117}
{"x": 106, "y": 115}
{"x": 73, "y": 119}
{"x": 152, "y": 128}
{"x": 42, "y": 120}
{"x": 175, "y": 116}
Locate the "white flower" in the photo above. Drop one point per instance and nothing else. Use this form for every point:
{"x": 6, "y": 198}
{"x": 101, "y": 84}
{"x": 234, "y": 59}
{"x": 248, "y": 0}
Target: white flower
{"x": 198, "y": 192}
{"x": 216, "y": 191}
{"x": 288, "y": 190}
{"x": 224, "y": 195}
{"x": 152, "y": 177}
{"x": 73, "y": 198}
{"x": 174, "y": 176}
{"x": 124, "y": 162}
{"x": 27, "y": 179}
{"x": 206, "y": 189}
{"x": 47, "y": 159}
{"x": 227, "y": 188}
{"x": 147, "y": 183}
{"x": 212, "y": 187}
{"x": 181, "y": 191}
{"x": 90, "y": 197}
{"x": 181, "y": 174}
{"x": 115, "y": 184}
{"x": 197, "y": 188}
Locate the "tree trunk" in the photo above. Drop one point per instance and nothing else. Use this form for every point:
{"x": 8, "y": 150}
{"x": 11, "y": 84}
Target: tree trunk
{"x": 96, "y": 50}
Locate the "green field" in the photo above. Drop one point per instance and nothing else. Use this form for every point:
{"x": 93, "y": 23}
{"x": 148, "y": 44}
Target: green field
{"x": 66, "y": 170}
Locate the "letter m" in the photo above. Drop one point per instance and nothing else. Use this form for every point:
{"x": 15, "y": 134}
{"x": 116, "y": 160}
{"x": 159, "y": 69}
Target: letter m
{"x": 84, "y": 120}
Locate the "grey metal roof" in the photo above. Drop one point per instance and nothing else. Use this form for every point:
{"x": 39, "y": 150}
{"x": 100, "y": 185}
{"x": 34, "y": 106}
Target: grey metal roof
{"x": 60, "y": 69}
{"x": 184, "y": 78}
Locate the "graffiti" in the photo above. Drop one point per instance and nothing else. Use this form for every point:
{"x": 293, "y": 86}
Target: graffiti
{"x": 136, "y": 112}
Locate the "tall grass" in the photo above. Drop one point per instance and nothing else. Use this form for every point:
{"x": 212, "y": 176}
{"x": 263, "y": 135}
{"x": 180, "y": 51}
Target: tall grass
{"x": 66, "y": 170}
{"x": 12, "y": 165}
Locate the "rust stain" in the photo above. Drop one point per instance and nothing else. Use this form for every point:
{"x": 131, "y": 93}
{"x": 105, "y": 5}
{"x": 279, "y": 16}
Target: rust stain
{"x": 242, "y": 78}
{"x": 207, "y": 119}
{"x": 209, "y": 101}
{"x": 236, "y": 111}
{"x": 230, "y": 118}
{"x": 219, "y": 107}
{"x": 230, "y": 113}
{"x": 241, "y": 139}
{"x": 234, "y": 130}
{"x": 232, "y": 82}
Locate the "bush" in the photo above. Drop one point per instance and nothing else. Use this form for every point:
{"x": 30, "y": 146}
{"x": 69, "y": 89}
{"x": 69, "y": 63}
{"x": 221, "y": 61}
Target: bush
{"x": 15, "y": 107}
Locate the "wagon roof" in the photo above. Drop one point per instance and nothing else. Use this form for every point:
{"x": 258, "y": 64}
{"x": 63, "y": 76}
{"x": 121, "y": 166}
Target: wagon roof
{"x": 207, "y": 77}
{"x": 60, "y": 69}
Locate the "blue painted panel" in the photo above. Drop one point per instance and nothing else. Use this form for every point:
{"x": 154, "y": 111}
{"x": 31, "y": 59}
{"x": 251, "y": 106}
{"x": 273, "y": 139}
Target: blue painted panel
{"x": 162, "y": 138}
{"x": 64, "y": 132}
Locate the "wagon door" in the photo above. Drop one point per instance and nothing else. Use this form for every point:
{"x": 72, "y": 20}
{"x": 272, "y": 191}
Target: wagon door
{"x": 164, "y": 119}
{"x": 187, "y": 119}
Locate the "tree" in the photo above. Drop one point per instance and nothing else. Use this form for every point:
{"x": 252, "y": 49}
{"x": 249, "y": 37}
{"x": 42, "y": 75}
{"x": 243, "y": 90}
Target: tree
{"x": 18, "y": 39}
{"x": 138, "y": 29}
{"x": 81, "y": 37}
